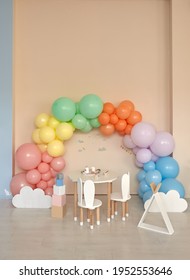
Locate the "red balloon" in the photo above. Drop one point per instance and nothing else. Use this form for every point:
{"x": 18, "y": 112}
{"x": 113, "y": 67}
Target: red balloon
{"x": 46, "y": 157}
{"x": 28, "y": 156}
{"x": 18, "y": 182}
{"x": 48, "y": 191}
{"x": 33, "y": 176}
{"x": 42, "y": 185}
{"x": 58, "y": 164}
{"x": 46, "y": 176}
{"x": 43, "y": 167}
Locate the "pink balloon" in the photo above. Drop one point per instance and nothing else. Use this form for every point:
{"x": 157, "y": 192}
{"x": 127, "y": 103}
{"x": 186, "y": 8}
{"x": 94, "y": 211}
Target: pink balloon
{"x": 33, "y": 176}
{"x": 42, "y": 185}
{"x": 18, "y": 182}
{"x": 53, "y": 172}
{"x": 43, "y": 167}
{"x": 28, "y": 156}
{"x": 163, "y": 144}
{"x": 58, "y": 163}
{"x": 46, "y": 176}
{"x": 49, "y": 191}
{"x": 46, "y": 157}
{"x": 51, "y": 182}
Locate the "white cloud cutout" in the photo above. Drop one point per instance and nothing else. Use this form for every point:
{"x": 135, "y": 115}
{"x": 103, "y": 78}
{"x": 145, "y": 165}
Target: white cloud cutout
{"x": 29, "y": 198}
{"x": 171, "y": 201}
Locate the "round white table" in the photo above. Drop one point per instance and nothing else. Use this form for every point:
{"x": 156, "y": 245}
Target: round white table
{"x": 104, "y": 176}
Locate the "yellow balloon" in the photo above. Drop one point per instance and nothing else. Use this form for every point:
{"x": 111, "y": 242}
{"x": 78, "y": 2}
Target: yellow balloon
{"x": 42, "y": 147}
{"x": 47, "y": 134}
{"x": 41, "y": 120}
{"x": 55, "y": 148}
{"x": 53, "y": 122}
{"x": 64, "y": 131}
{"x": 36, "y": 136}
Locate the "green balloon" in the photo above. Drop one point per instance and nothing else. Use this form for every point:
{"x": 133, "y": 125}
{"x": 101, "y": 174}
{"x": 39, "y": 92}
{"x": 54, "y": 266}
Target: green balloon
{"x": 87, "y": 127}
{"x": 90, "y": 106}
{"x": 63, "y": 109}
{"x": 79, "y": 121}
{"x": 94, "y": 122}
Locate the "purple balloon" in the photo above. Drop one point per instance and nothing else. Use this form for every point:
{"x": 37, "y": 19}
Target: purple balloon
{"x": 143, "y": 134}
{"x": 143, "y": 155}
{"x": 163, "y": 144}
{"x": 128, "y": 142}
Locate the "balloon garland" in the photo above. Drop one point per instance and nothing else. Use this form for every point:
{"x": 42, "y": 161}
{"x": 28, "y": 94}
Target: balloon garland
{"x": 43, "y": 159}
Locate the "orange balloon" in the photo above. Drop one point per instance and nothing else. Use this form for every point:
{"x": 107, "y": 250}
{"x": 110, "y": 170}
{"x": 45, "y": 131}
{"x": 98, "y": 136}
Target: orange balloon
{"x": 123, "y": 112}
{"x": 104, "y": 118}
{"x": 120, "y": 125}
{"x": 128, "y": 104}
{"x": 128, "y": 129}
{"x": 113, "y": 118}
{"x": 107, "y": 129}
{"x": 108, "y": 108}
{"x": 134, "y": 118}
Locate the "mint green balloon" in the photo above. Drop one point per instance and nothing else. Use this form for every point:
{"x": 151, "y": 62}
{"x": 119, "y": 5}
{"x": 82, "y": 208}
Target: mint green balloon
{"x": 91, "y": 106}
{"x": 87, "y": 127}
{"x": 63, "y": 109}
{"x": 79, "y": 121}
{"x": 94, "y": 122}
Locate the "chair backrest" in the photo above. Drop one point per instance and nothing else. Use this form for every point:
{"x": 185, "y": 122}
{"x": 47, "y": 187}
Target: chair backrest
{"x": 125, "y": 185}
{"x": 79, "y": 190}
{"x": 89, "y": 193}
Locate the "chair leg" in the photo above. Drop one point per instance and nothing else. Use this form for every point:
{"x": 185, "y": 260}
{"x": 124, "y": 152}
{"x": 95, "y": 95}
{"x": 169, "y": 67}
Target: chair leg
{"x": 115, "y": 207}
{"x": 112, "y": 209}
{"x": 123, "y": 211}
{"x": 126, "y": 209}
{"x": 88, "y": 215}
{"x": 81, "y": 216}
{"x": 91, "y": 219}
{"x": 98, "y": 216}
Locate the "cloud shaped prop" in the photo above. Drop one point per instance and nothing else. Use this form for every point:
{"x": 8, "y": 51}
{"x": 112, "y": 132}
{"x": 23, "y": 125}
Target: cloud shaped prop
{"x": 171, "y": 201}
{"x": 29, "y": 198}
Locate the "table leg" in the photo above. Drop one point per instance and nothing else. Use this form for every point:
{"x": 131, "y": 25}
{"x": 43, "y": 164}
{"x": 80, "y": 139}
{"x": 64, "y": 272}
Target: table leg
{"x": 75, "y": 201}
{"x": 109, "y": 190}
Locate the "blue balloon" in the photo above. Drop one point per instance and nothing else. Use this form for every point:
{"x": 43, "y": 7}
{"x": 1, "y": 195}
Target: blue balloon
{"x": 153, "y": 176}
{"x": 168, "y": 167}
{"x": 140, "y": 193}
{"x": 150, "y": 165}
{"x": 141, "y": 175}
{"x": 147, "y": 195}
{"x": 169, "y": 184}
{"x": 144, "y": 187}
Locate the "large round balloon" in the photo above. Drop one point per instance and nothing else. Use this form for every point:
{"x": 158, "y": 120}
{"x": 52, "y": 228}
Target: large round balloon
{"x": 169, "y": 184}
{"x": 143, "y": 134}
{"x": 28, "y": 156}
{"x": 63, "y": 109}
{"x": 163, "y": 144}
{"x": 91, "y": 106}
{"x": 18, "y": 182}
{"x": 168, "y": 167}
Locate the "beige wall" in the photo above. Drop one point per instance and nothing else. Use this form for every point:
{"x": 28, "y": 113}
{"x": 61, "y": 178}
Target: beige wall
{"x": 115, "y": 49}
{"x": 181, "y": 87}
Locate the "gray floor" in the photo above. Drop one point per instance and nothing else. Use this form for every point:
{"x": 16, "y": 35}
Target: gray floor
{"x": 33, "y": 234}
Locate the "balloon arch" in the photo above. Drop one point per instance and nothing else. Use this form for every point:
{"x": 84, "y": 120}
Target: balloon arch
{"x": 43, "y": 159}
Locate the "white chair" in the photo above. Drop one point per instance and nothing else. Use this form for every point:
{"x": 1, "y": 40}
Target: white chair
{"x": 123, "y": 196}
{"x": 87, "y": 200}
